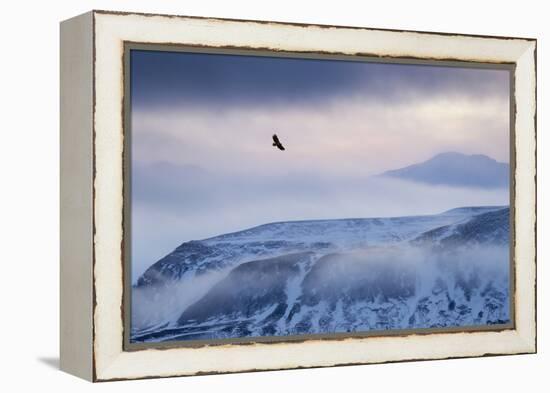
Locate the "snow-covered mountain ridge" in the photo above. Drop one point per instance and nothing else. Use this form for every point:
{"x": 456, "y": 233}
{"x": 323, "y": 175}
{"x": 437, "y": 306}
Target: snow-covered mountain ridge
{"x": 323, "y": 276}
{"x": 199, "y": 256}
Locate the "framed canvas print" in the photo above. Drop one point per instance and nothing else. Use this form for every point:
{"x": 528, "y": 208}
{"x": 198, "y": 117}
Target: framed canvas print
{"x": 245, "y": 195}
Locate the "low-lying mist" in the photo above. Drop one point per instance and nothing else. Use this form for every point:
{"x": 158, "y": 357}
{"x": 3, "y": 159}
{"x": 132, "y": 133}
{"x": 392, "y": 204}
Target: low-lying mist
{"x": 405, "y": 271}
{"x": 191, "y": 204}
{"x": 153, "y": 306}
{"x": 454, "y": 282}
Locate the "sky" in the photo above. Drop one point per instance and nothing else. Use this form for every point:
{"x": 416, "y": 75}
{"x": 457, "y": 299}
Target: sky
{"x": 203, "y": 164}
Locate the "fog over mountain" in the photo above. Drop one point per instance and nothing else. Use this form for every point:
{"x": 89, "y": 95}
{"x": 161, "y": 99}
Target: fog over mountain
{"x": 326, "y": 276}
{"x": 456, "y": 169}
{"x": 174, "y": 203}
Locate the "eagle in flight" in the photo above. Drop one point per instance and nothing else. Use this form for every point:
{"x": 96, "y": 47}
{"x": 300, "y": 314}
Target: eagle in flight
{"x": 277, "y": 143}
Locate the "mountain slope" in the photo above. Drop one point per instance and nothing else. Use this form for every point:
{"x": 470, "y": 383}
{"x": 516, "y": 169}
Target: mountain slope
{"x": 330, "y": 276}
{"x": 198, "y": 257}
{"x": 490, "y": 228}
{"x": 456, "y": 169}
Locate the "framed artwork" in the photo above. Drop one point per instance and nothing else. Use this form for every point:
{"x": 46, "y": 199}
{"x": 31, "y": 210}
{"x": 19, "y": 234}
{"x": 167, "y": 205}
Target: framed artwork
{"x": 246, "y": 195}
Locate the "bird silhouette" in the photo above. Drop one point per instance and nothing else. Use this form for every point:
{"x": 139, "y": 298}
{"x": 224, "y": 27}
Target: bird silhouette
{"x": 277, "y": 143}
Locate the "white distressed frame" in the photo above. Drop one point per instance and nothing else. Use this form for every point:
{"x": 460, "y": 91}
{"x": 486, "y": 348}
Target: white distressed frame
{"x": 110, "y": 31}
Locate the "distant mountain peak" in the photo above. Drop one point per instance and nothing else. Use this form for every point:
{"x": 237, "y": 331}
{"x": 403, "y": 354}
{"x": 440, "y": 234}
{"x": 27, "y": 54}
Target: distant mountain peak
{"x": 459, "y": 156}
{"x": 456, "y": 169}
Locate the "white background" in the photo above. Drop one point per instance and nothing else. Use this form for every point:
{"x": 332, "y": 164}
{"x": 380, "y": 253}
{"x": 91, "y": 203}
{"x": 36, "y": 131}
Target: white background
{"x": 29, "y": 196}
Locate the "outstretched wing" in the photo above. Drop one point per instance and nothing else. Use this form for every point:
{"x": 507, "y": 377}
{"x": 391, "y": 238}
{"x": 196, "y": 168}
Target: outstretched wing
{"x": 277, "y": 143}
